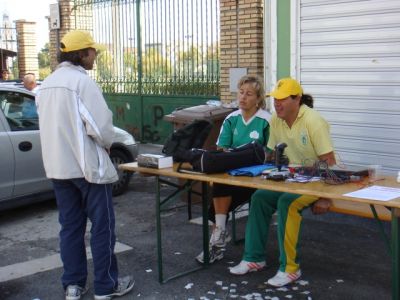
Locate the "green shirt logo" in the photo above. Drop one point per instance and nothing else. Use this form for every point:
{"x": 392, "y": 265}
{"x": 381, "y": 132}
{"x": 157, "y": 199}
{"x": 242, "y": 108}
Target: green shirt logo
{"x": 304, "y": 138}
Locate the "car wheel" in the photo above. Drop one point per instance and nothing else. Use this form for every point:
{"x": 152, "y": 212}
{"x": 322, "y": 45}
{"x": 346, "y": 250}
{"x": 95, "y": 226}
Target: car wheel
{"x": 118, "y": 157}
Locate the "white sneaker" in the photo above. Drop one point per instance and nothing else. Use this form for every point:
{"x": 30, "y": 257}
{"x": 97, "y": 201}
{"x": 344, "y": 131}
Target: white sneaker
{"x": 74, "y": 292}
{"x": 246, "y": 267}
{"x": 125, "y": 285}
{"x": 220, "y": 237}
{"x": 215, "y": 254}
{"x": 283, "y": 278}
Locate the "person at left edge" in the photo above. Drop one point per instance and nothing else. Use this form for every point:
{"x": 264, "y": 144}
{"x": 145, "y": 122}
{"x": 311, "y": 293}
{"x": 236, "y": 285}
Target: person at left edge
{"x": 76, "y": 133}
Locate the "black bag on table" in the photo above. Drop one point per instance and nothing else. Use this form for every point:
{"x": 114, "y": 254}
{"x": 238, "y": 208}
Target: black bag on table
{"x": 181, "y": 141}
{"x": 247, "y": 155}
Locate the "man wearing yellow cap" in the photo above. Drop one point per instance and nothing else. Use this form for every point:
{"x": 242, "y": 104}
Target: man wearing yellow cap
{"x": 307, "y": 137}
{"x": 76, "y": 133}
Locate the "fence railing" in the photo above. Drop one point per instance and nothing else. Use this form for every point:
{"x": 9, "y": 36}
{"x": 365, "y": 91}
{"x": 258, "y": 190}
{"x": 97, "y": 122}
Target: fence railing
{"x": 154, "y": 47}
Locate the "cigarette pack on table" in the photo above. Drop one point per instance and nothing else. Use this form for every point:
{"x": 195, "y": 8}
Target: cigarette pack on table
{"x": 154, "y": 161}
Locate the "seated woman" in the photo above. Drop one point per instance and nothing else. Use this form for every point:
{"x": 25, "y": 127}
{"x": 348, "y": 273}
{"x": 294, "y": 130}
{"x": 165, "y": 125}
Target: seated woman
{"x": 249, "y": 123}
{"x": 307, "y": 136}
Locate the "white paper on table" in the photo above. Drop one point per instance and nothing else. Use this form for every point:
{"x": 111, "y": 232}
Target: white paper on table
{"x": 376, "y": 192}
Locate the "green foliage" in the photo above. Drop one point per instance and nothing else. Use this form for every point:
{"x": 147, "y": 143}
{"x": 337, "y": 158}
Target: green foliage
{"x": 104, "y": 63}
{"x": 44, "y": 57}
{"x": 44, "y": 62}
{"x": 44, "y": 72}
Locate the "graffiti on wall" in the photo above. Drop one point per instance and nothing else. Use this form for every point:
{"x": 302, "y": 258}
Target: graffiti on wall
{"x": 150, "y": 133}
{"x": 149, "y": 130}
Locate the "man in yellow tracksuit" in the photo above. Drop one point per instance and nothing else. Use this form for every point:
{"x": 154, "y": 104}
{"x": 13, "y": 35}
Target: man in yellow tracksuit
{"x": 307, "y": 137}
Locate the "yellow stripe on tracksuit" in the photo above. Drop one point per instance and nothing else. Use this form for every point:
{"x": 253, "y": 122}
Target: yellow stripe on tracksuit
{"x": 292, "y": 231}
{"x": 289, "y": 207}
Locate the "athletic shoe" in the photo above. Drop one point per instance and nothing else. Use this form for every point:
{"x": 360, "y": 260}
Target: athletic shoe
{"x": 125, "y": 285}
{"x": 215, "y": 254}
{"x": 74, "y": 292}
{"x": 220, "y": 237}
{"x": 283, "y": 278}
{"x": 246, "y": 267}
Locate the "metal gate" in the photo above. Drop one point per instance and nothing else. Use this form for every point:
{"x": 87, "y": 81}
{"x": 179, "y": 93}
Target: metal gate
{"x": 161, "y": 54}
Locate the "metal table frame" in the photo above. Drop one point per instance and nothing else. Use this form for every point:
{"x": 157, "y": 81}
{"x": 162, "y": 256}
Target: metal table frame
{"x": 314, "y": 189}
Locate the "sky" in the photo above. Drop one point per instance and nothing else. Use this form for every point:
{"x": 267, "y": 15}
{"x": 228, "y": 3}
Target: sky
{"x": 30, "y": 10}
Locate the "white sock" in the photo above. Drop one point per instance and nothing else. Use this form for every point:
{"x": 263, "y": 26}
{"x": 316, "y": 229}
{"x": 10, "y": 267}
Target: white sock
{"x": 220, "y": 221}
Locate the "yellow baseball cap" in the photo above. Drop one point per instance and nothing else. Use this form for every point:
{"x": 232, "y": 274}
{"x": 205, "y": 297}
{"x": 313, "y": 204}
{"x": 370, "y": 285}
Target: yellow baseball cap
{"x": 286, "y": 87}
{"x": 77, "y": 40}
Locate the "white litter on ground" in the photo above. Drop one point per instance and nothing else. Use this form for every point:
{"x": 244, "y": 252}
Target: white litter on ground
{"x": 177, "y": 253}
{"x": 230, "y": 262}
{"x": 149, "y": 270}
{"x": 282, "y": 289}
{"x": 188, "y": 286}
{"x": 295, "y": 288}
{"x": 211, "y": 292}
{"x": 225, "y": 288}
{"x": 274, "y": 298}
{"x": 233, "y": 285}
{"x": 232, "y": 291}
{"x": 218, "y": 282}
{"x": 233, "y": 296}
{"x": 306, "y": 292}
{"x": 244, "y": 282}
{"x": 248, "y": 296}
{"x": 289, "y": 296}
{"x": 269, "y": 290}
{"x": 339, "y": 280}
{"x": 302, "y": 282}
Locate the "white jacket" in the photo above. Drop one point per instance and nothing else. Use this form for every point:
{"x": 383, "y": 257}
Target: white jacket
{"x": 75, "y": 127}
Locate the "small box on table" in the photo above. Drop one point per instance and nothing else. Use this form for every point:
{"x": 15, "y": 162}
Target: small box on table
{"x": 154, "y": 161}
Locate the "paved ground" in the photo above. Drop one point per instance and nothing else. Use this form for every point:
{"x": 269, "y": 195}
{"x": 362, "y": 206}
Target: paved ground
{"x": 342, "y": 257}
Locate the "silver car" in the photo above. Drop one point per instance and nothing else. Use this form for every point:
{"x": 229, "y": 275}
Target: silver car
{"x": 22, "y": 175}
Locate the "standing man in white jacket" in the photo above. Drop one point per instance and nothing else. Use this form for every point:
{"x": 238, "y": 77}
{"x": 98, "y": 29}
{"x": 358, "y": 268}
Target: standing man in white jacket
{"x": 76, "y": 134}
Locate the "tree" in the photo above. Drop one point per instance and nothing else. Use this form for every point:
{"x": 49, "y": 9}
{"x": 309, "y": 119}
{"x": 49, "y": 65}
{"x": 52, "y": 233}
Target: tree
{"x": 44, "y": 62}
{"x": 189, "y": 62}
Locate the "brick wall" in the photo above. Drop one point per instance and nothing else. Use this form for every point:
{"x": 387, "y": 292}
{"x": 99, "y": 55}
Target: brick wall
{"x": 241, "y": 40}
{"x": 28, "y": 61}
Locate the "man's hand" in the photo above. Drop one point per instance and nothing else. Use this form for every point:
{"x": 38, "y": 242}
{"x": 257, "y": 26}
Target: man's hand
{"x": 321, "y": 206}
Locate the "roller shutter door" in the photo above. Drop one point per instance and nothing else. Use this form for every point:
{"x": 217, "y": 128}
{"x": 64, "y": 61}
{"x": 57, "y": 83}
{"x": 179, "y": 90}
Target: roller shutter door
{"x": 349, "y": 60}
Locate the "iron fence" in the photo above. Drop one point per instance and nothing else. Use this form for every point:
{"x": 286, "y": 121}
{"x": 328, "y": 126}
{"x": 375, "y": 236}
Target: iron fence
{"x": 154, "y": 47}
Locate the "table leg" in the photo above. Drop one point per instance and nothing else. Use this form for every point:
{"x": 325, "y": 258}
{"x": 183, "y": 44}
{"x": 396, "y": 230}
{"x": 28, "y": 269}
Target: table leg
{"x": 158, "y": 225}
{"x": 205, "y": 199}
{"x": 159, "y": 207}
{"x": 395, "y": 254}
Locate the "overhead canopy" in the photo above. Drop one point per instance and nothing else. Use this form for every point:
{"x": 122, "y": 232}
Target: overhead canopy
{"x": 6, "y": 52}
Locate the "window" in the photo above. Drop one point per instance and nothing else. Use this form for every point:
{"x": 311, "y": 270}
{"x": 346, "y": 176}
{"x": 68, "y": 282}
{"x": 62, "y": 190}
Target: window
{"x": 19, "y": 110}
